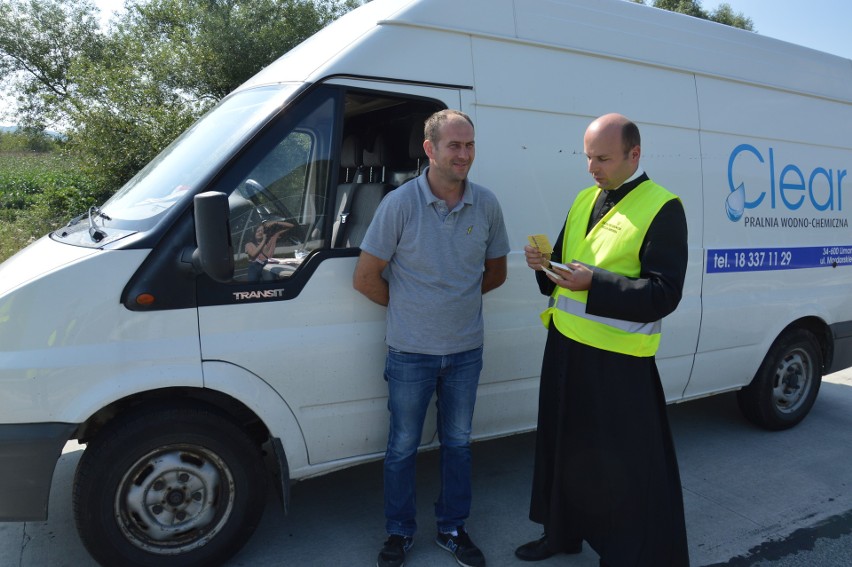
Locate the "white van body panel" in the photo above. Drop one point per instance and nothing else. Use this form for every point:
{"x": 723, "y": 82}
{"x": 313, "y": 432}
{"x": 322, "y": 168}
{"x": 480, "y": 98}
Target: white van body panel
{"x": 264, "y": 400}
{"x": 634, "y": 33}
{"x": 73, "y": 348}
{"x": 23, "y": 267}
{"x": 280, "y": 341}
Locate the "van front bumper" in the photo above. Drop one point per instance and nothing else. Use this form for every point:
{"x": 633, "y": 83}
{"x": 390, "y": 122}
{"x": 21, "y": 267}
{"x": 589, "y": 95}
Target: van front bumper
{"x": 28, "y": 454}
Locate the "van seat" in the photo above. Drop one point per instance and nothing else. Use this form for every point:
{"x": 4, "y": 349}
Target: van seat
{"x": 364, "y": 197}
{"x": 417, "y": 158}
{"x": 415, "y": 146}
{"x": 352, "y": 160}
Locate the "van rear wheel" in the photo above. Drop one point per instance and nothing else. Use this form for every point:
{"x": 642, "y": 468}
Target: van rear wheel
{"x": 169, "y": 487}
{"x": 786, "y": 385}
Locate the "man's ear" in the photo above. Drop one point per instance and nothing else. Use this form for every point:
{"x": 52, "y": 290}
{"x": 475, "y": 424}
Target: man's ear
{"x": 428, "y": 148}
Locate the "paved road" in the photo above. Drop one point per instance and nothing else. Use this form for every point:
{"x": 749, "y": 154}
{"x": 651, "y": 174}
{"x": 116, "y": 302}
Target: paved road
{"x": 753, "y": 498}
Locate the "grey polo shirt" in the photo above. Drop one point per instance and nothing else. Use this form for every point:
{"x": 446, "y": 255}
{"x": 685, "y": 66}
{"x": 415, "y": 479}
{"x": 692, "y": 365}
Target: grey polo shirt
{"x": 435, "y": 264}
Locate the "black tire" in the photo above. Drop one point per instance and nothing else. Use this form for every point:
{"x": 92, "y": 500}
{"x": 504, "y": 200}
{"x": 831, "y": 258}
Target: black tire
{"x": 168, "y": 486}
{"x": 787, "y": 383}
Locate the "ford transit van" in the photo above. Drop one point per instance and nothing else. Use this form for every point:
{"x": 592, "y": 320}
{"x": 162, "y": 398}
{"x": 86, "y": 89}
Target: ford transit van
{"x": 200, "y": 377}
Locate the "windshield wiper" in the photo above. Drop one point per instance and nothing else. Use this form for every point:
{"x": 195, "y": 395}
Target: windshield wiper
{"x": 95, "y": 233}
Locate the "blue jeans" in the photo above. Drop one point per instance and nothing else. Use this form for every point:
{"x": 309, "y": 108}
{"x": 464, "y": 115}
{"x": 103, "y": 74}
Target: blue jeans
{"x": 412, "y": 378}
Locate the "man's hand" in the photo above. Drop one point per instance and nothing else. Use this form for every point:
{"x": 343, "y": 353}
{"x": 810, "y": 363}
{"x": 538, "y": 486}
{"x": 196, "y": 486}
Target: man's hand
{"x": 535, "y": 259}
{"x": 577, "y": 280}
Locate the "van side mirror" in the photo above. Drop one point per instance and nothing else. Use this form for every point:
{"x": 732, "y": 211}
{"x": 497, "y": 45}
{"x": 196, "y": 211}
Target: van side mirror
{"x": 215, "y": 254}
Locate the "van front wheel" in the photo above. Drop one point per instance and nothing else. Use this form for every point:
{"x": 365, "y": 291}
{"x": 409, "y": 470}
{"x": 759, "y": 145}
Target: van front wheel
{"x": 786, "y": 384}
{"x": 168, "y": 487}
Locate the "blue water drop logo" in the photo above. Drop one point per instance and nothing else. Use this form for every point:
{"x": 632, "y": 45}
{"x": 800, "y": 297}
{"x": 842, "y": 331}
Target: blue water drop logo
{"x": 735, "y": 203}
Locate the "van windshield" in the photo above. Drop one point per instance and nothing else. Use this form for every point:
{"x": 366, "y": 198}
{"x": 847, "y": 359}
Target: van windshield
{"x": 193, "y": 157}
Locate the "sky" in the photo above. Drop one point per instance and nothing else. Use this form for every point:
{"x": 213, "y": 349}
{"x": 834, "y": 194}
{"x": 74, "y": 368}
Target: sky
{"x": 825, "y": 25}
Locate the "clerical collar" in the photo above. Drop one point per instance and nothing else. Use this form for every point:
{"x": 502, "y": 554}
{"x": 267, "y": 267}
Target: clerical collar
{"x": 636, "y": 175}
{"x": 634, "y": 181}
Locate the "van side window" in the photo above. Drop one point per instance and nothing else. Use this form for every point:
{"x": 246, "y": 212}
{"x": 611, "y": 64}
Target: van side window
{"x": 382, "y": 147}
{"x": 278, "y": 203}
{"x": 316, "y": 174}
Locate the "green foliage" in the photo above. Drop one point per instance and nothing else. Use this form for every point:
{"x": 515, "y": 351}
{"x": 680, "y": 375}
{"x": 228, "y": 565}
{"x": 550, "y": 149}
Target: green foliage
{"x": 40, "y": 41}
{"x": 122, "y": 95}
{"x": 207, "y": 48}
{"x": 39, "y": 191}
{"x": 688, "y": 7}
{"x": 19, "y": 229}
{"x": 51, "y": 182}
{"x": 27, "y": 140}
{"x": 19, "y": 181}
{"x": 723, "y": 14}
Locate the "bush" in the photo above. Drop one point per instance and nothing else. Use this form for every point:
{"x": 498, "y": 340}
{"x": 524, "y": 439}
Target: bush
{"x": 52, "y": 179}
{"x": 40, "y": 192}
{"x": 27, "y": 140}
{"x": 20, "y": 182}
{"x": 19, "y": 229}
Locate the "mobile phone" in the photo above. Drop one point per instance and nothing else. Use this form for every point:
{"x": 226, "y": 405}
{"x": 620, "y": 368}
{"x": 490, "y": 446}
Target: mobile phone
{"x": 552, "y": 273}
{"x": 562, "y": 267}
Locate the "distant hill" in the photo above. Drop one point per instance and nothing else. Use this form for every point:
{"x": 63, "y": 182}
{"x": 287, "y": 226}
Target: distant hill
{"x": 51, "y": 133}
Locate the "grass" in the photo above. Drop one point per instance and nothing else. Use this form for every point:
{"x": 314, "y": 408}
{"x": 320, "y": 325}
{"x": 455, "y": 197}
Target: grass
{"x": 39, "y": 191}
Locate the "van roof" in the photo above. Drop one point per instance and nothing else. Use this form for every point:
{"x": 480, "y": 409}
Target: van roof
{"x": 396, "y": 39}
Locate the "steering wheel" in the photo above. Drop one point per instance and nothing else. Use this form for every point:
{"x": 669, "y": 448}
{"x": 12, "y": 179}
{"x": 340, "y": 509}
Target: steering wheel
{"x": 264, "y": 202}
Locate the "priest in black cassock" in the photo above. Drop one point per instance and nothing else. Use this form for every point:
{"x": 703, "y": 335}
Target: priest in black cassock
{"x": 605, "y": 465}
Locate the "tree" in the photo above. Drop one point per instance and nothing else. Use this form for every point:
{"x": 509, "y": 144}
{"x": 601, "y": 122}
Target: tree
{"x": 209, "y": 47}
{"x": 723, "y": 14}
{"x": 123, "y": 95}
{"x": 40, "y": 40}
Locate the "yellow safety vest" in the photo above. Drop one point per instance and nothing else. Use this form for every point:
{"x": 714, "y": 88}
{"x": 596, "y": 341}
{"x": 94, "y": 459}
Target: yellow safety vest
{"x": 613, "y": 244}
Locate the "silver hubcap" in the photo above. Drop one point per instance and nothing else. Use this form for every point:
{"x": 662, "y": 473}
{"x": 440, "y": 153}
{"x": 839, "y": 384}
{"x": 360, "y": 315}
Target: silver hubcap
{"x": 793, "y": 379}
{"x": 174, "y": 499}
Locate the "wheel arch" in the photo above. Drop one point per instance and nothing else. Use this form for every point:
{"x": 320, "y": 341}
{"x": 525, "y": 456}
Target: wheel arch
{"x": 820, "y": 330}
{"x": 235, "y": 409}
{"x": 787, "y": 382}
{"x": 248, "y": 401}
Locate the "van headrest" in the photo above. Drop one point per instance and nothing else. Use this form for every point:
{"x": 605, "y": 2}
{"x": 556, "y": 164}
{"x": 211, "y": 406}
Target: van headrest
{"x": 377, "y": 155}
{"x": 351, "y": 152}
{"x": 415, "y": 141}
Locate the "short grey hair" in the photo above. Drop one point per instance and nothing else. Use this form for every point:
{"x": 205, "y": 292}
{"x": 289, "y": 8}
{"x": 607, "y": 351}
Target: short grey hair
{"x": 432, "y": 128}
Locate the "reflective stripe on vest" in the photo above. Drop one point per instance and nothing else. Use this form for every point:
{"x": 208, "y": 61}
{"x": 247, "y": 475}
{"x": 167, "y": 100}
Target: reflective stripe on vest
{"x": 613, "y": 244}
{"x": 578, "y": 309}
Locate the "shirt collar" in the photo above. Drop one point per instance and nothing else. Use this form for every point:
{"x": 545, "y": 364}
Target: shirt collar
{"x": 426, "y": 191}
{"x": 636, "y": 175}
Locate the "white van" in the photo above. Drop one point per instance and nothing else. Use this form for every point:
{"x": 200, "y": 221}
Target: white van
{"x": 136, "y": 329}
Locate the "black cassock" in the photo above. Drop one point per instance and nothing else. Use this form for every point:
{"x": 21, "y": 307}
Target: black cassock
{"x": 605, "y": 465}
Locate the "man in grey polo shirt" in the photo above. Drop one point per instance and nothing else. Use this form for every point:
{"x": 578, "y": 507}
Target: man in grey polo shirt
{"x": 436, "y": 244}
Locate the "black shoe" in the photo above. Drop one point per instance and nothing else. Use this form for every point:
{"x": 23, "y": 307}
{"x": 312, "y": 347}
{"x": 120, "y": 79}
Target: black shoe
{"x": 393, "y": 551}
{"x": 538, "y": 550}
{"x": 464, "y": 550}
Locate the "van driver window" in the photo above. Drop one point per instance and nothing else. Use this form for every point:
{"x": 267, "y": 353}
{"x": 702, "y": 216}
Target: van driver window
{"x": 313, "y": 179}
{"x": 278, "y": 205}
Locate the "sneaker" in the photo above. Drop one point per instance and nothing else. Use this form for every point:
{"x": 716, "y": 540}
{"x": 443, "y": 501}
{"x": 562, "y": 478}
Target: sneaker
{"x": 465, "y": 551}
{"x": 393, "y": 551}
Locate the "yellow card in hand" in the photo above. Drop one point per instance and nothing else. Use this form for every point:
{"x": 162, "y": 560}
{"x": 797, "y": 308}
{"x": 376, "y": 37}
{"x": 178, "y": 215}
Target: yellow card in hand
{"x": 541, "y": 242}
